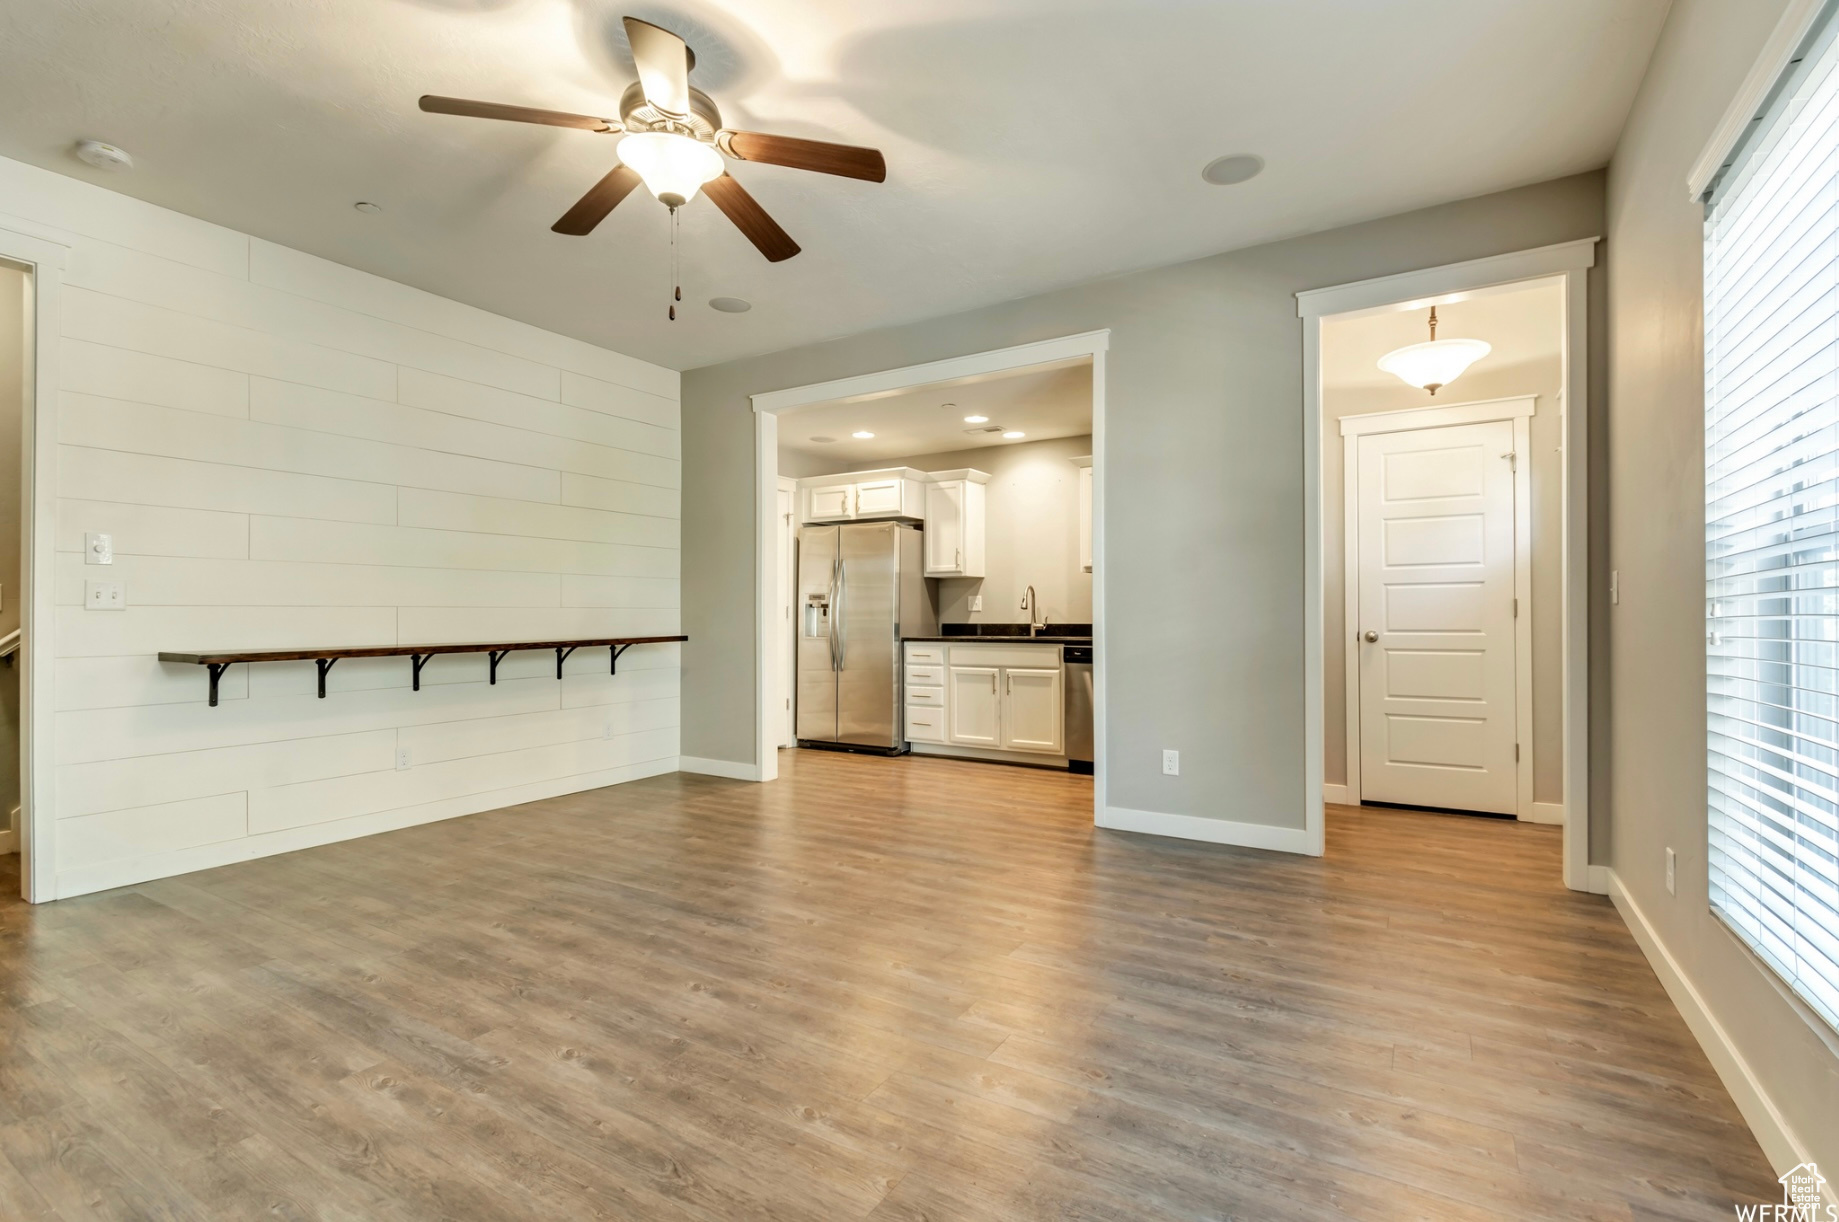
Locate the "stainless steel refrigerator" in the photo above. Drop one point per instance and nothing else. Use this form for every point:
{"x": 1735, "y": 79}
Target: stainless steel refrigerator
{"x": 861, "y": 585}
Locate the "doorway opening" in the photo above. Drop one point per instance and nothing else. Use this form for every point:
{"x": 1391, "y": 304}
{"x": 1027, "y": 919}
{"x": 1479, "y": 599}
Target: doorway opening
{"x": 981, "y": 471}
{"x": 1448, "y": 646}
{"x": 15, "y": 330}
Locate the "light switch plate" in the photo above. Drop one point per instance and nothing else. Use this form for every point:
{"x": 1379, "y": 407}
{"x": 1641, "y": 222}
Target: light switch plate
{"x": 976, "y": 602}
{"x": 98, "y": 549}
{"x": 104, "y": 596}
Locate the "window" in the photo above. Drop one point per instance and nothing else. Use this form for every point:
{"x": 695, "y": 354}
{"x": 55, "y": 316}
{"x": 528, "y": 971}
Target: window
{"x": 1772, "y": 533}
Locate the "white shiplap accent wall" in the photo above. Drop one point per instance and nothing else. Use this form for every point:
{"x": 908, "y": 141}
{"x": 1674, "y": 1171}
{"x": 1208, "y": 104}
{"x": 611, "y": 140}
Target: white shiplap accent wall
{"x": 292, "y": 453}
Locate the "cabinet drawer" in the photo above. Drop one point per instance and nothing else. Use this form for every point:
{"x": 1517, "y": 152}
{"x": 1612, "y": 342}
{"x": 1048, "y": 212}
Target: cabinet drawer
{"x": 928, "y": 653}
{"x": 931, "y": 697}
{"x": 925, "y": 725}
{"x": 926, "y": 676}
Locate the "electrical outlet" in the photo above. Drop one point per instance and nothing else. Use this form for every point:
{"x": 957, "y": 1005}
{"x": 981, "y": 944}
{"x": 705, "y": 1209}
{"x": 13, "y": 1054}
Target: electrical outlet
{"x": 1672, "y": 872}
{"x": 1171, "y": 763}
{"x": 104, "y": 596}
{"x": 606, "y": 730}
{"x": 1615, "y": 585}
{"x": 403, "y": 762}
{"x": 98, "y": 549}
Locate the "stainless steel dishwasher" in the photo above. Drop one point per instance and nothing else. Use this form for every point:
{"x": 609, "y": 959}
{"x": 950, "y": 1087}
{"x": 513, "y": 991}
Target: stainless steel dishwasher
{"x": 1076, "y": 662}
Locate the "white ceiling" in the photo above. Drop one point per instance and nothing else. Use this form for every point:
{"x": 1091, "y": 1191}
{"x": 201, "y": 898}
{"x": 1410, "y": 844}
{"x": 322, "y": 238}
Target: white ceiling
{"x": 1043, "y": 401}
{"x": 1524, "y": 325}
{"x": 1030, "y": 143}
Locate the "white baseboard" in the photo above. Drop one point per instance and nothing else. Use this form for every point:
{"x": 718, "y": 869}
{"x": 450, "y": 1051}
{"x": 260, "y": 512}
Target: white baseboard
{"x": 1214, "y": 831}
{"x": 9, "y": 841}
{"x": 721, "y": 768}
{"x": 1597, "y": 882}
{"x": 1779, "y": 1143}
{"x": 1337, "y": 794}
{"x": 1545, "y": 812}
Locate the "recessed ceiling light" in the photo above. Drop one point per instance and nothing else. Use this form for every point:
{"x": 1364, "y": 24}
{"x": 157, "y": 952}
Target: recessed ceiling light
{"x": 365, "y": 206}
{"x": 730, "y": 305}
{"x": 103, "y": 156}
{"x": 823, "y": 441}
{"x": 1232, "y": 169}
{"x": 1014, "y": 435}
{"x": 976, "y": 420}
{"x": 862, "y": 435}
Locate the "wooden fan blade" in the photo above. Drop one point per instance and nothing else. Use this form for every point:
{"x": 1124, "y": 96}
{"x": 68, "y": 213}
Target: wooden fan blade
{"x": 663, "y": 61}
{"x": 602, "y": 198}
{"x": 844, "y": 160}
{"x": 750, "y": 218}
{"x": 437, "y": 105}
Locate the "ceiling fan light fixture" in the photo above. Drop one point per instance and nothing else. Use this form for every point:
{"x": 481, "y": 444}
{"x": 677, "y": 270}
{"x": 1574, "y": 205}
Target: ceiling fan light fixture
{"x": 672, "y": 167}
{"x": 1434, "y": 365}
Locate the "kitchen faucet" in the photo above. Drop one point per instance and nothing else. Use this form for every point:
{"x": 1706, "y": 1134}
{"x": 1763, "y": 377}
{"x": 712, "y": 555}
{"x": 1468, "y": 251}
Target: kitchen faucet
{"x": 1028, "y": 605}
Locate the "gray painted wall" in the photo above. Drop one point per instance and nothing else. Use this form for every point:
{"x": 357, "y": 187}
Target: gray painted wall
{"x": 1032, "y": 531}
{"x": 1657, "y": 536}
{"x": 1543, "y": 379}
{"x": 1203, "y": 476}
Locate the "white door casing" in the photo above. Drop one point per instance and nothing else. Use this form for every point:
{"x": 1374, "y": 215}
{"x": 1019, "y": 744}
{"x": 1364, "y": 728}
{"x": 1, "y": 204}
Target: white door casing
{"x": 1435, "y": 627}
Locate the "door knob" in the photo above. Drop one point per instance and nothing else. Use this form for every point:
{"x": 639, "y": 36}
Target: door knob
{"x": 1370, "y": 636}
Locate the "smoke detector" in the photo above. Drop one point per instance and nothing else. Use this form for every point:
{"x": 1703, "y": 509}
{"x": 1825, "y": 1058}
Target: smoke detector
{"x": 103, "y": 156}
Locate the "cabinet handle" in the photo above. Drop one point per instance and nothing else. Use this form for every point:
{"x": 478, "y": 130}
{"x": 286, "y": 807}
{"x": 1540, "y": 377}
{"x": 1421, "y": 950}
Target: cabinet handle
{"x": 992, "y": 683}
{"x": 1009, "y": 684}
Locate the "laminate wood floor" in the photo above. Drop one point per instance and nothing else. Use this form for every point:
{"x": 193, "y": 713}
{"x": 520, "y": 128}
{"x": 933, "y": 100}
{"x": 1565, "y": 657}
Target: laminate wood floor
{"x": 886, "y": 989}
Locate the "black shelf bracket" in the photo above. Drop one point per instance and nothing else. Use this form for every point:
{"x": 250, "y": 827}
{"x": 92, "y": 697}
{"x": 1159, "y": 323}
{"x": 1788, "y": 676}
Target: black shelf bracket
{"x": 497, "y": 656}
{"x": 416, "y": 662}
{"x": 324, "y": 664}
{"x": 217, "y": 669}
{"x": 561, "y": 657}
{"x": 613, "y": 661}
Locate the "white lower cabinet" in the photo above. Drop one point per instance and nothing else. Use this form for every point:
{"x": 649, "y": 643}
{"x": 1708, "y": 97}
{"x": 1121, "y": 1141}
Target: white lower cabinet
{"x": 1031, "y": 712}
{"x": 973, "y": 707}
{"x": 995, "y": 697}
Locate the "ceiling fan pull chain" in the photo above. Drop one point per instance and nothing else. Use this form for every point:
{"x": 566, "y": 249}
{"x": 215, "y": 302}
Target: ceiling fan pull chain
{"x": 675, "y": 277}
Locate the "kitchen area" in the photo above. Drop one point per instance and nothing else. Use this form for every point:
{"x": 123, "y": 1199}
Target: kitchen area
{"x": 938, "y": 589}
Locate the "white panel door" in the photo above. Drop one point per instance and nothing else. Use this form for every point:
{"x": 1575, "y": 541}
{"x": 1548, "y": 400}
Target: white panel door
{"x": 1032, "y": 710}
{"x": 971, "y": 707}
{"x": 1435, "y": 629}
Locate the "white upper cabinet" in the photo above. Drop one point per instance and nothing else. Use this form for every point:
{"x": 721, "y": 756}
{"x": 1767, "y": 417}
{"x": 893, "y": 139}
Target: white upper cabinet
{"x": 955, "y": 503}
{"x": 830, "y": 503}
{"x": 1085, "y": 511}
{"x": 894, "y": 492}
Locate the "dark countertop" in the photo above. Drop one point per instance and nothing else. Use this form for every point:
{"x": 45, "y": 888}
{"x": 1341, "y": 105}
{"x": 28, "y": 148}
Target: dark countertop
{"x": 1021, "y": 639}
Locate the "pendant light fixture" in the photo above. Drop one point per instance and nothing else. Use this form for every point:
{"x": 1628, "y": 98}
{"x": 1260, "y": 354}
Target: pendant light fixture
{"x": 1436, "y": 364}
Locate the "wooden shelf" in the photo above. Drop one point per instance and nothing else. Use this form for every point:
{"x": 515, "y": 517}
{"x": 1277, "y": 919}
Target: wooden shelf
{"x": 221, "y": 660}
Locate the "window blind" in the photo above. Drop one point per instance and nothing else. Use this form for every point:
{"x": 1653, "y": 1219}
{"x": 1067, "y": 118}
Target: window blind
{"x": 1772, "y": 534}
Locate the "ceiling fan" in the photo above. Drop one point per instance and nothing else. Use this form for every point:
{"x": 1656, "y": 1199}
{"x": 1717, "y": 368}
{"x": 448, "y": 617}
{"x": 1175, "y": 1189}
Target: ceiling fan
{"x": 672, "y": 140}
